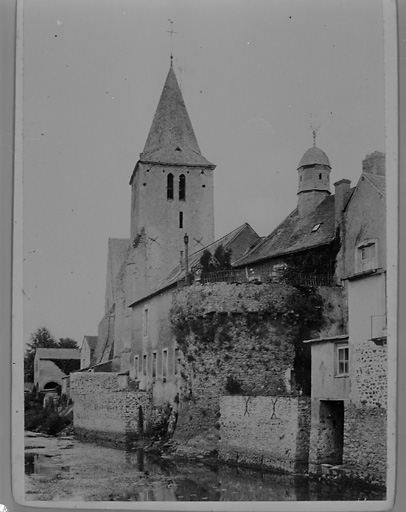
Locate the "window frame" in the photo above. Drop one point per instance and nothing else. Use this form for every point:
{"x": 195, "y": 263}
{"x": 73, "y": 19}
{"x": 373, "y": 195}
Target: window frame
{"x": 342, "y": 348}
{"x": 164, "y": 363}
{"x": 369, "y": 263}
{"x": 154, "y": 366}
{"x": 136, "y": 367}
{"x": 145, "y": 321}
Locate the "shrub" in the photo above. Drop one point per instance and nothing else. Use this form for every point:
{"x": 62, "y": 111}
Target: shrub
{"x": 233, "y": 386}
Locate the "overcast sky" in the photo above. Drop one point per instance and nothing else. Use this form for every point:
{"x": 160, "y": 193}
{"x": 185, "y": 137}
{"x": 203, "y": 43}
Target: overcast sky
{"x": 251, "y": 74}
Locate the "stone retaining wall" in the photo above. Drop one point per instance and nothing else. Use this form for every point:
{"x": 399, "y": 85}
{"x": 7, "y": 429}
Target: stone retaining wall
{"x": 105, "y": 411}
{"x": 269, "y": 431}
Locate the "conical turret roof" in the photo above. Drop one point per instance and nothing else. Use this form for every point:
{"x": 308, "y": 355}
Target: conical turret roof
{"x": 171, "y": 139}
{"x": 314, "y": 156}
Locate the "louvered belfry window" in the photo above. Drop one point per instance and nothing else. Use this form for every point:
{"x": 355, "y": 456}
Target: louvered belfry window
{"x": 182, "y": 187}
{"x": 169, "y": 187}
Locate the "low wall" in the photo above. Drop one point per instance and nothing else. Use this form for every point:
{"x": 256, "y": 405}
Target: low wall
{"x": 103, "y": 410}
{"x": 270, "y": 431}
{"x": 365, "y": 438}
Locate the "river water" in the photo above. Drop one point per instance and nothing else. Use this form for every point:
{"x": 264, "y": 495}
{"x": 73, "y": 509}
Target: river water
{"x": 88, "y": 472}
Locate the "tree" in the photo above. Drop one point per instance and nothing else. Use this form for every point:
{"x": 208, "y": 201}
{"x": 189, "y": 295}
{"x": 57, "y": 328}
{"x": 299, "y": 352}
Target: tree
{"x": 220, "y": 260}
{"x": 42, "y": 338}
{"x": 67, "y": 343}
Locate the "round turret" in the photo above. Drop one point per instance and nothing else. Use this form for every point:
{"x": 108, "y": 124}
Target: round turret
{"x": 314, "y": 179}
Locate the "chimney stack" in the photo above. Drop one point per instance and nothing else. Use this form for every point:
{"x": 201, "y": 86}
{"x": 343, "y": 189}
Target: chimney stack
{"x": 374, "y": 164}
{"x": 342, "y": 192}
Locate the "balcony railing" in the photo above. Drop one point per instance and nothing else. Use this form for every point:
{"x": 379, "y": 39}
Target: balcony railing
{"x": 262, "y": 276}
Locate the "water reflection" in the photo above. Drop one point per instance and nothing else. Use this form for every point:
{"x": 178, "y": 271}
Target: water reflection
{"x": 187, "y": 481}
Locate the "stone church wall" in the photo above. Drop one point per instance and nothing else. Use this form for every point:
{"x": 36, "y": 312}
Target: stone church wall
{"x": 266, "y": 431}
{"x": 104, "y": 410}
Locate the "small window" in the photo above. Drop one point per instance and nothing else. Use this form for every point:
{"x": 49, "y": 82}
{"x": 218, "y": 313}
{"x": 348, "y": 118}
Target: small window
{"x": 177, "y": 361}
{"x": 182, "y": 187}
{"x": 169, "y": 187}
{"x": 144, "y": 365}
{"x": 367, "y": 256}
{"x": 145, "y": 322}
{"x": 320, "y": 176}
{"x": 342, "y": 367}
{"x": 164, "y": 362}
{"x": 154, "y": 365}
{"x": 136, "y": 367}
{"x": 180, "y": 220}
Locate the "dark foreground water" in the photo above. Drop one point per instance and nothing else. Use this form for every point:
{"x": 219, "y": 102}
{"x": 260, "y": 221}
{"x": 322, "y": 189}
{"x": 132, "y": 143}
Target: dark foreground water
{"x": 170, "y": 480}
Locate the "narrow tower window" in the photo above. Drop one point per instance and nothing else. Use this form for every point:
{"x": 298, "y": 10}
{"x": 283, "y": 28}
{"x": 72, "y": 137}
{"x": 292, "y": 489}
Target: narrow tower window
{"x": 181, "y": 220}
{"x": 169, "y": 188}
{"x": 182, "y": 187}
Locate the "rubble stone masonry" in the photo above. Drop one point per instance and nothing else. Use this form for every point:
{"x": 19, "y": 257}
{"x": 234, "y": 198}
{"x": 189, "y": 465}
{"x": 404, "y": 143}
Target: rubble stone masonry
{"x": 103, "y": 410}
{"x": 269, "y": 431}
{"x": 365, "y": 448}
{"x": 370, "y": 363}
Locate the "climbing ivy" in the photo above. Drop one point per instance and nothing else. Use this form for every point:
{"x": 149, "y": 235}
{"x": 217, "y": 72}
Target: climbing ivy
{"x": 296, "y": 311}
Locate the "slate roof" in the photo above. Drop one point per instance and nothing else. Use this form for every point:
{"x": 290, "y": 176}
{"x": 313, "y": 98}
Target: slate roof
{"x": 57, "y": 353}
{"x": 171, "y": 139}
{"x": 226, "y": 241}
{"x": 314, "y": 156}
{"x": 377, "y": 181}
{"x": 296, "y": 234}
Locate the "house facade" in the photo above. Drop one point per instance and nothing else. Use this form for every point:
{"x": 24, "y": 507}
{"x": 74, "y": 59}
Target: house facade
{"x": 349, "y": 372}
{"x": 87, "y": 351}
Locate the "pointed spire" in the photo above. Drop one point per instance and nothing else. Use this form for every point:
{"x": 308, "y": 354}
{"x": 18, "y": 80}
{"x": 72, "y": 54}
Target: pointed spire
{"x": 171, "y": 139}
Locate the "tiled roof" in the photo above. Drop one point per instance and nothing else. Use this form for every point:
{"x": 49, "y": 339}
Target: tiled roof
{"x": 296, "y": 234}
{"x": 171, "y": 139}
{"x": 314, "y": 156}
{"x": 57, "y": 353}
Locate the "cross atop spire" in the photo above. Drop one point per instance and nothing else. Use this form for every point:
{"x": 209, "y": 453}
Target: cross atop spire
{"x": 171, "y": 32}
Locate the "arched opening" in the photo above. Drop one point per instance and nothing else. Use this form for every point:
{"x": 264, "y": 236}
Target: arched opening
{"x": 182, "y": 187}
{"x": 51, "y": 385}
{"x": 169, "y": 186}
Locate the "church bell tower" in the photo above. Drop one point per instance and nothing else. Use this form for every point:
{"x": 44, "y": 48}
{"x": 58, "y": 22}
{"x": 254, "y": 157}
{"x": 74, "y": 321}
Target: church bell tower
{"x": 171, "y": 193}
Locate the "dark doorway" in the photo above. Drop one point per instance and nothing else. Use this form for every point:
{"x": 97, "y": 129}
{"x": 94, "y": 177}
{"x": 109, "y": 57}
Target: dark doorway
{"x": 51, "y": 385}
{"x": 332, "y": 431}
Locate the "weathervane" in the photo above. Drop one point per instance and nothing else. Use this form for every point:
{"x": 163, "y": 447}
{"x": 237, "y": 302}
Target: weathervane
{"x": 171, "y": 32}
{"x": 314, "y": 130}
